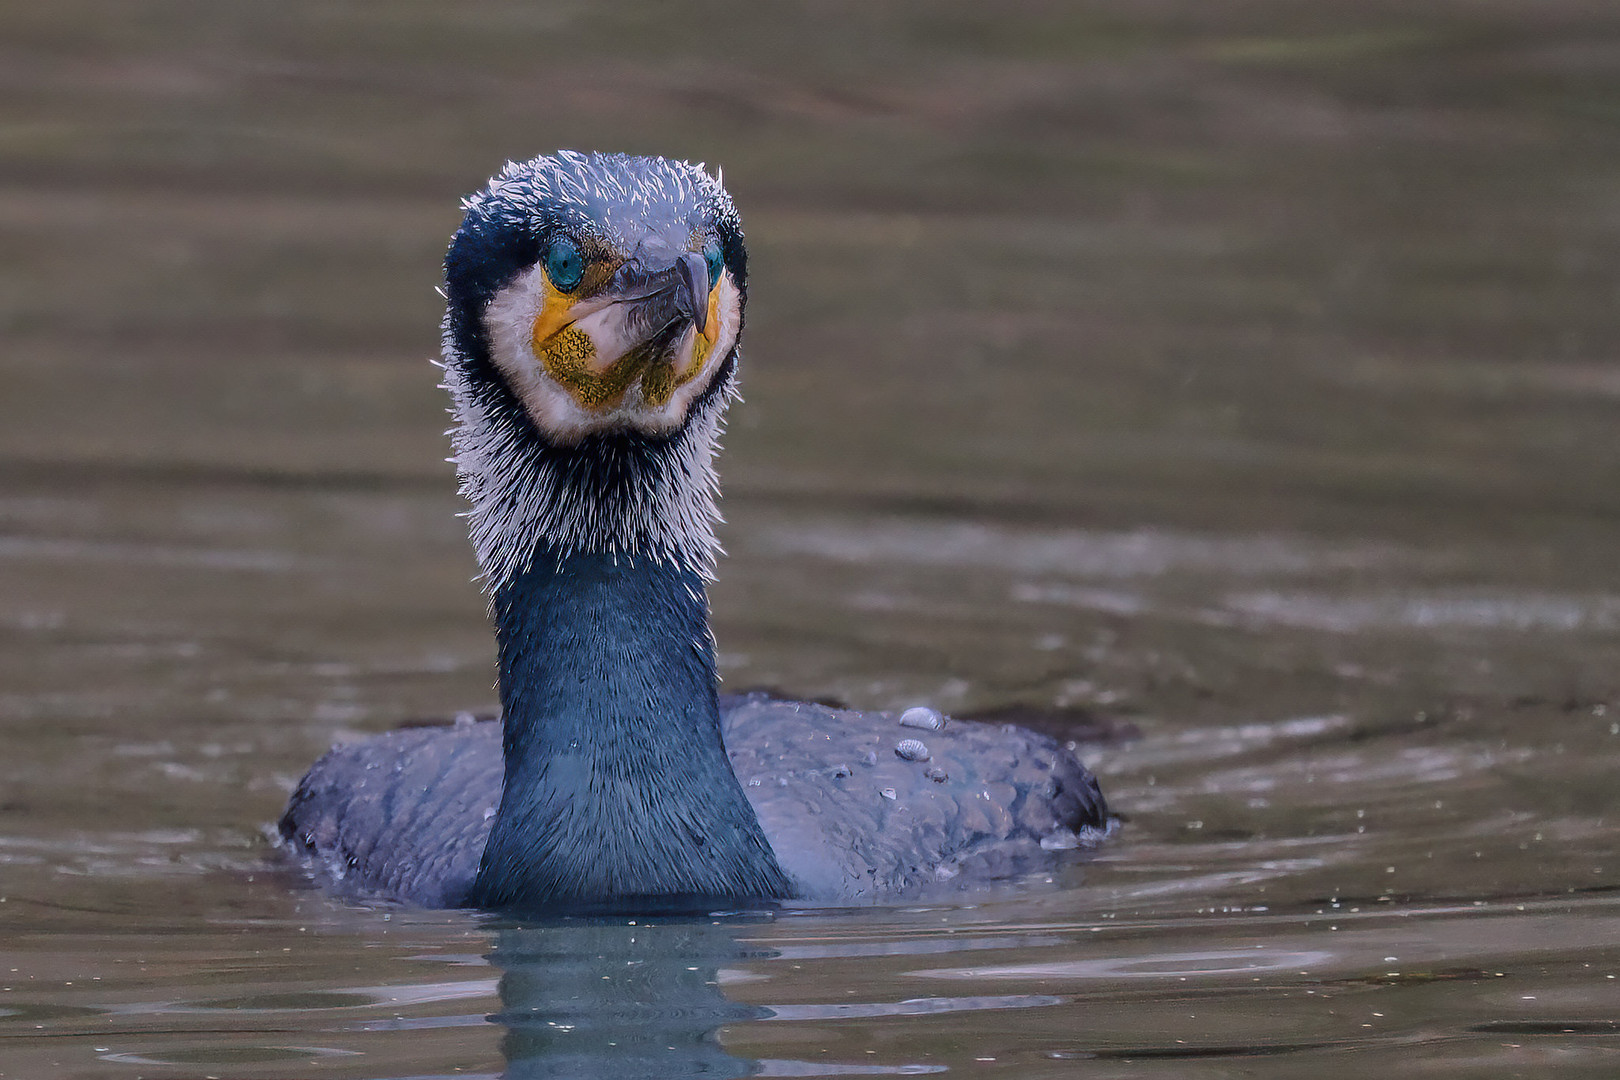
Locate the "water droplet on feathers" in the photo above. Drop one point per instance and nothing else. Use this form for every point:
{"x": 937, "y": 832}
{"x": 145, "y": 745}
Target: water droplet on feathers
{"x": 921, "y": 716}
{"x": 911, "y": 750}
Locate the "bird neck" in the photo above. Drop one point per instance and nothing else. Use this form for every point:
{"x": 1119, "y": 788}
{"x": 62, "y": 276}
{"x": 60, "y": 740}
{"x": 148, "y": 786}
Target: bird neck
{"x": 623, "y": 493}
{"x": 617, "y": 782}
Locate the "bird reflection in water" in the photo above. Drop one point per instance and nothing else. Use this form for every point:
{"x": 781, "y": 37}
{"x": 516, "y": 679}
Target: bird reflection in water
{"x": 619, "y": 998}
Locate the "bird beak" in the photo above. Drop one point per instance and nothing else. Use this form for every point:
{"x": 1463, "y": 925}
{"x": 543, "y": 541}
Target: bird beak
{"x": 695, "y": 278}
{"x": 649, "y": 326}
{"x": 643, "y": 310}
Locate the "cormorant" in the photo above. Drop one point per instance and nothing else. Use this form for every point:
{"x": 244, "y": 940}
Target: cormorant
{"x": 590, "y": 340}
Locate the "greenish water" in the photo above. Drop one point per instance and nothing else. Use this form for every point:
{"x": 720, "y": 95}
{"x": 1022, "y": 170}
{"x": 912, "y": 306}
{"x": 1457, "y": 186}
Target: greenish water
{"x": 1234, "y": 386}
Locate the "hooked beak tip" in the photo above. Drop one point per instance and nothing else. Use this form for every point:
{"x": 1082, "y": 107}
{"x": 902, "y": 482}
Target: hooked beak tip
{"x": 695, "y": 274}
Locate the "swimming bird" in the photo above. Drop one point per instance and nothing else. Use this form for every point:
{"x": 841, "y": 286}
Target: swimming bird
{"x": 594, "y": 305}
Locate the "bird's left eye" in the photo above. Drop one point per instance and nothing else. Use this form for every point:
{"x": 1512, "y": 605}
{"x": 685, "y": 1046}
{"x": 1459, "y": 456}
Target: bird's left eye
{"x": 711, "y": 255}
{"x": 565, "y": 265}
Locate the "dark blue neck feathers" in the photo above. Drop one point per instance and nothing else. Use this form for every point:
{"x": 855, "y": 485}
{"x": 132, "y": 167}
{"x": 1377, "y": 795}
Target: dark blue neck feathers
{"x": 617, "y": 783}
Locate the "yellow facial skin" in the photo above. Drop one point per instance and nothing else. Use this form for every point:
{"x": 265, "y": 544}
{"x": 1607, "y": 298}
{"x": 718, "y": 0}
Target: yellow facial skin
{"x": 570, "y": 356}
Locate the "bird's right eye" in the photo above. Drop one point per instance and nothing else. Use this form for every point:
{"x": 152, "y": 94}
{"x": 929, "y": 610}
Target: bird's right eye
{"x": 715, "y": 261}
{"x": 565, "y": 265}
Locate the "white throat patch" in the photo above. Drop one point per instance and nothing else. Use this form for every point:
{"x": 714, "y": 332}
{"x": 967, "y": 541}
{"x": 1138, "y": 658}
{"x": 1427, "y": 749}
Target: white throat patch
{"x": 528, "y": 498}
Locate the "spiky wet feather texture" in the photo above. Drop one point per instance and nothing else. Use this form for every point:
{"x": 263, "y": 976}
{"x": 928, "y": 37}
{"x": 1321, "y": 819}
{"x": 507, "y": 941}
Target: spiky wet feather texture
{"x": 623, "y": 494}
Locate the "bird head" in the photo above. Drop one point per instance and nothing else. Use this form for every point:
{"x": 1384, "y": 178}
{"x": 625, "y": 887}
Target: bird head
{"x": 603, "y": 293}
{"x": 592, "y": 308}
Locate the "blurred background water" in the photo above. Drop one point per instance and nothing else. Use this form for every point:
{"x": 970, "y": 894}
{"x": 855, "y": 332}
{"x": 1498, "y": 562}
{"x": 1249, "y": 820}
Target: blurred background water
{"x": 1232, "y": 388}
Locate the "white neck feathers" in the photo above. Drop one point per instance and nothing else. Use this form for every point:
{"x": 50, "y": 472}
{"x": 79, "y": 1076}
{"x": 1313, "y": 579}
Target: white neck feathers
{"x": 620, "y": 494}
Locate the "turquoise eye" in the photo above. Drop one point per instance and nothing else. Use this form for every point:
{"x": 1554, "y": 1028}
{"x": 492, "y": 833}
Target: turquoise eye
{"x": 711, "y": 255}
{"x": 565, "y": 265}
